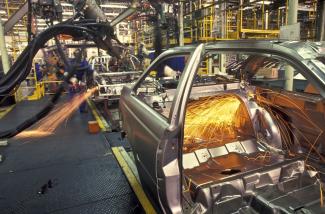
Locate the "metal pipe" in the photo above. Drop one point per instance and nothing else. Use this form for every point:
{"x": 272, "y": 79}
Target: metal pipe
{"x": 263, "y": 15}
{"x": 14, "y": 18}
{"x": 287, "y": 6}
{"x": 181, "y": 23}
{"x": 320, "y": 31}
{"x": 292, "y": 19}
{"x": 3, "y": 49}
{"x": 7, "y": 6}
{"x": 278, "y": 19}
{"x": 222, "y": 59}
{"x": 191, "y": 15}
{"x": 292, "y": 12}
{"x": 241, "y": 16}
{"x": 266, "y": 20}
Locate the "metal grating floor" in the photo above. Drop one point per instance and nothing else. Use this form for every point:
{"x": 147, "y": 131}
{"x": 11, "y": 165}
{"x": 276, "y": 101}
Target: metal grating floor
{"x": 85, "y": 175}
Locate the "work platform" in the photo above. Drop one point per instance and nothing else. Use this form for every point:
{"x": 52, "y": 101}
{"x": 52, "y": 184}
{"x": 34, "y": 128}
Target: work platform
{"x": 85, "y": 176}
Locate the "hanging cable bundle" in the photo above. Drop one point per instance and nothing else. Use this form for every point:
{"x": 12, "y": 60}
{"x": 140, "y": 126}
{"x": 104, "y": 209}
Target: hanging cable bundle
{"x": 85, "y": 29}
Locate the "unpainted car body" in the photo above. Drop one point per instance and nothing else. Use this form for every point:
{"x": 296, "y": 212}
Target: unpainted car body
{"x": 110, "y": 83}
{"x": 228, "y": 177}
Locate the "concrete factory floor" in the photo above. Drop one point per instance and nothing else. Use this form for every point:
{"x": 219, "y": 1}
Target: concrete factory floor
{"x": 84, "y": 175}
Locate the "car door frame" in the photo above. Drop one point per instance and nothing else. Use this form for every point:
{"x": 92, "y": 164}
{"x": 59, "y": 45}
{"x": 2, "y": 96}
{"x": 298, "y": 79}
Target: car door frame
{"x": 169, "y": 153}
{"x": 165, "y": 187}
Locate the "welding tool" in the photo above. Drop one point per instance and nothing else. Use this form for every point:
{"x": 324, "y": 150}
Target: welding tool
{"x": 81, "y": 29}
{"x": 92, "y": 25}
{"x": 91, "y": 10}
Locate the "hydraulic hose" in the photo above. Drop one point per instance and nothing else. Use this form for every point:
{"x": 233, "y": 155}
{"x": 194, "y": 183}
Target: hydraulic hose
{"x": 21, "y": 68}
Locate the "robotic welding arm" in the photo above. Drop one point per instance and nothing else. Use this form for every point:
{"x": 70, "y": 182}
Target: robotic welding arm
{"x": 91, "y": 10}
{"x": 92, "y": 25}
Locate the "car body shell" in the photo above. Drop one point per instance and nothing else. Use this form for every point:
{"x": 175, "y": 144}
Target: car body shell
{"x": 157, "y": 141}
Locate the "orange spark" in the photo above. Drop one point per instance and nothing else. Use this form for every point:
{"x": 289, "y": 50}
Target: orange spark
{"x": 216, "y": 119}
{"x": 51, "y": 122}
{"x": 33, "y": 133}
{"x": 301, "y": 113}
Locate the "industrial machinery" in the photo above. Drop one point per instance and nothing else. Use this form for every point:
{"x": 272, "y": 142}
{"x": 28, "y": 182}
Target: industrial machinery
{"x": 231, "y": 146}
{"x": 246, "y": 141}
{"x": 111, "y": 78}
{"x": 88, "y": 24}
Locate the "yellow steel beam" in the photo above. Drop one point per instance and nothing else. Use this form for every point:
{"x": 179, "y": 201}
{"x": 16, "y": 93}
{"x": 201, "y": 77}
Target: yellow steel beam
{"x": 260, "y": 31}
{"x": 99, "y": 118}
{"x": 187, "y": 40}
{"x": 129, "y": 161}
{"x": 135, "y": 184}
{"x": 7, "y": 6}
{"x": 4, "y": 111}
{"x": 214, "y": 39}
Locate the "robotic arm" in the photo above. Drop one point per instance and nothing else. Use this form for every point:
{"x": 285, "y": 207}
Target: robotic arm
{"x": 91, "y": 10}
{"x": 90, "y": 23}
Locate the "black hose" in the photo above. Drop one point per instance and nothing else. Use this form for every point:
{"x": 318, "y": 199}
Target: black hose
{"x": 41, "y": 114}
{"x": 21, "y": 68}
{"x": 62, "y": 55}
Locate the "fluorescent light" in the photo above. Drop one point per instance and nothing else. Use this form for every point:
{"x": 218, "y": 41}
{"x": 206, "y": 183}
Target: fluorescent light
{"x": 265, "y": 2}
{"x": 66, "y": 4}
{"x": 113, "y": 6}
{"x": 41, "y": 24}
{"x": 247, "y": 8}
{"x": 111, "y": 14}
{"x": 70, "y": 13}
{"x": 305, "y": 8}
{"x": 2, "y": 12}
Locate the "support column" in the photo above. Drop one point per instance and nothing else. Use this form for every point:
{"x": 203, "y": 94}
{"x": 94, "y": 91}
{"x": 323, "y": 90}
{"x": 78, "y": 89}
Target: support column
{"x": 266, "y": 20}
{"x": 3, "y": 49}
{"x": 181, "y": 23}
{"x": 320, "y": 32}
{"x": 222, "y": 59}
{"x": 292, "y": 12}
{"x": 210, "y": 68}
{"x": 292, "y": 19}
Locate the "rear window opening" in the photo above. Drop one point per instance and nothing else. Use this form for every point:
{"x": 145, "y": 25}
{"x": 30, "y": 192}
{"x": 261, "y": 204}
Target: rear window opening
{"x": 230, "y": 171}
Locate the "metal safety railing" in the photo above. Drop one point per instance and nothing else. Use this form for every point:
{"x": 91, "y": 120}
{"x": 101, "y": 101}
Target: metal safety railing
{"x": 31, "y": 88}
{"x": 35, "y": 90}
